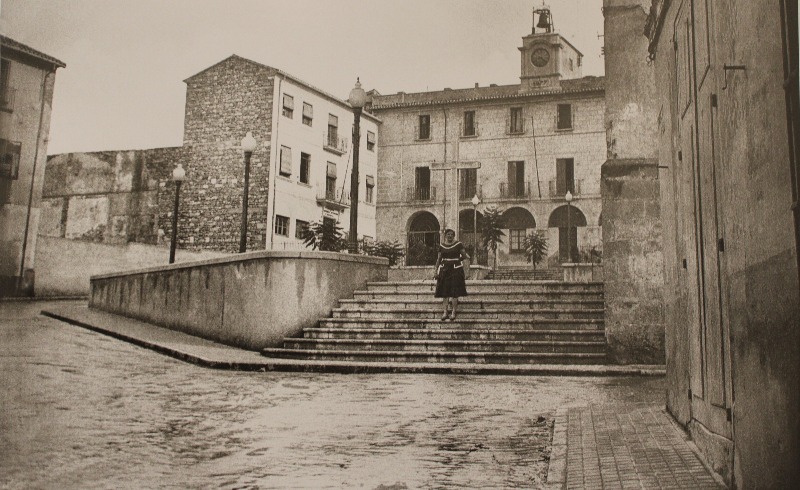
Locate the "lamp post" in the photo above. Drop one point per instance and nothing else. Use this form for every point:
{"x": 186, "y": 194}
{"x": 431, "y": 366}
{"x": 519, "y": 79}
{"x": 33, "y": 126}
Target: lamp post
{"x": 357, "y": 100}
{"x": 178, "y": 175}
{"x": 475, "y": 202}
{"x": 248, "y": 146}
{"x": 568, "y": 198}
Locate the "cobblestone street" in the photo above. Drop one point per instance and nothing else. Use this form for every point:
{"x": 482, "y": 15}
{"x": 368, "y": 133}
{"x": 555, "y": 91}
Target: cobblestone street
{"x": 82, "y": 410}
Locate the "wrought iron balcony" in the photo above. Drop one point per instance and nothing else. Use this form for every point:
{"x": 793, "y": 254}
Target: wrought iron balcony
{"x": 557, "y": 191}
{"x": 467, "y": 192}
{"x": 334, "y": 144}
{"x": 333, "y": 199}
{"x": 421, "y": 194}
{"x": 515, "y": 190}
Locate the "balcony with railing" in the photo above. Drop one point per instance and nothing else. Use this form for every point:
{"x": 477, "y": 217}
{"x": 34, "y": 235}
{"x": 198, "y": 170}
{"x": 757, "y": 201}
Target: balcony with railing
{"x": 338, "y": 199}
{"x": 421, "y": 194}
{"x": 516, "y": 190}
{"x": 332, "y": 143}
{"x": 467, "y": 192}
{"x": 556, "y": 191}
{"x": 7, "y": 96}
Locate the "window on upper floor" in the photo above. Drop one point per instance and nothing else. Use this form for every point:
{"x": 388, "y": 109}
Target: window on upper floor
{"x": 9, "y": 159}
{"x": 330, "y": 182}
{"x": 370, "y": 141}
{"x": 424, "y": 128}
{"x": 467, "y": 183}
{"x": 308, "y": 113}
{"x": 565, "y": 177}
{"x": 6, "y": 91}
{"x": 370, "y": 195}
{"x": 305, "y": 168}
{"x": 470, "y": 127}
{"x": 288, "y": 106}
{"x": 281, "y": 225}
{"x": 333, "y": 131}
{"x": 516, "y": 125}
{"x": 286, "y": 161}
{"x": 564, "y": 116}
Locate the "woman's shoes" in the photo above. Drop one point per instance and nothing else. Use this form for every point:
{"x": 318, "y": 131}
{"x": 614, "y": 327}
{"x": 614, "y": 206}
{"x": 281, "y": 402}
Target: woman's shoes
{"x": 453, "y": 315}
{"x": 444, "y": 316}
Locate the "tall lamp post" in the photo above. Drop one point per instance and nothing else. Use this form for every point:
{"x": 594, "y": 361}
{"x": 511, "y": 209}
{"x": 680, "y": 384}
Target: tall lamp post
{"x": 475, "y": 202}
{"x": 248, "y": 146}
{"x": 178, "y": 175}
{"x": 357, "y": 100}
{"x": 568, "y": 198}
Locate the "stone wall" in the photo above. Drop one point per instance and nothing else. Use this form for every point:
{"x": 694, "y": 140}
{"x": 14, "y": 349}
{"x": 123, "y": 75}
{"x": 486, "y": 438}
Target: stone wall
{"x": 251, "y": 300}
{"x": 632, "y": 262}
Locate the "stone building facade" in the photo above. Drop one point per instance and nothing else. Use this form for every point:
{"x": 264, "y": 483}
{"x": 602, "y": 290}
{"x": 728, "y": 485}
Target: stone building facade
{"x": 299, "y": 171}
{"x": 27, "y": 79}
{"x": 518, "y": 148}
{"x": 726, "y": 76}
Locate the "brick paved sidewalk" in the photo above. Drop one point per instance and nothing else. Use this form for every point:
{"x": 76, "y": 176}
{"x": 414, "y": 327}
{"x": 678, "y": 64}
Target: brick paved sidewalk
{"x": 621, "y": 447}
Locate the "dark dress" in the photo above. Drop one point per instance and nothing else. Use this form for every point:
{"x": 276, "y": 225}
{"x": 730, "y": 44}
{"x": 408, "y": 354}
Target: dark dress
{"x": 450, "y": 283}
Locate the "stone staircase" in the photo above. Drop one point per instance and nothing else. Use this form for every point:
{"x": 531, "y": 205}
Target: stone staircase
{"x": 500, "y": 322}
{"x": 524, "y": 274}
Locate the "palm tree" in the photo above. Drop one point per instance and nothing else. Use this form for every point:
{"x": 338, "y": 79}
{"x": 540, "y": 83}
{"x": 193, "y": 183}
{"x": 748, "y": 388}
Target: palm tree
{"x": 326, "y": 236}
{"x": 492, "y": 230}
{"x": 535, "y": 245}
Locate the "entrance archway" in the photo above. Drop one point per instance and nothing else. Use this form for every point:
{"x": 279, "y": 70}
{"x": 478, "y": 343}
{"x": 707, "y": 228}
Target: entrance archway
{"x": 470, "y": 237}
{"x": 518, "y": 221}
{"x": 567, "y": 219}
{"x": 422, "y": 239}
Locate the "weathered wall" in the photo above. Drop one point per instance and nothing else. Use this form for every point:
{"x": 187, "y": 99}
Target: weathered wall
{"x": 251, "y": 301}
{"x": 65, "y": 266}
{"x": 28, "y": 123}
{"x": 632, "y": 262}
{"x": 741, "y": 114}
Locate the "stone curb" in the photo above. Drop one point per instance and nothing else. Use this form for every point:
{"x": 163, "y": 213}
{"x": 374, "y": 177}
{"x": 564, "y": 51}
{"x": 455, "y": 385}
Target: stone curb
{"x": 210, "y": 354}
{"x": 557, "y": 469}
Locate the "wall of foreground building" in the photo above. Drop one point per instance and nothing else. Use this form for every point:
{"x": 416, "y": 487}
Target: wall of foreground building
{"x": 732, "y": 307}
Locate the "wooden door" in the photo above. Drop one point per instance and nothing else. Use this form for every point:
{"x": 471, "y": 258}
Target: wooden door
{"x": 696, "y": 106}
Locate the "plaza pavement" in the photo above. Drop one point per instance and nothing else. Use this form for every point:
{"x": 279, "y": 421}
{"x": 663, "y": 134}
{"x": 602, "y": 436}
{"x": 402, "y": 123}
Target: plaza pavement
{"x": 594, "y": 447}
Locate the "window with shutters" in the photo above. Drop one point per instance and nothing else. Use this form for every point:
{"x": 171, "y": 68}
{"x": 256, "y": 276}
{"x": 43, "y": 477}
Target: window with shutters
{"x": 288, "y": 106}
{"x": 469, "y": 123}
{"x": 281, "y": 225}
{"x": 424, "y": 128}
{"x": 565, "y": 176}
{"x": 516, "y": 179}
{"x": 305, "y": 168}
{"x": 308, "y": 113}
{"x": 467, "y": 183}
{"x": 516, "y": 121}
{"x": 422, "y": 183}
{"x": 9, "y": 159}
{"x": 333, "y": 131}
{"x": 330, "y": 182}
{"x": 370, "y": 141}
{"x": 299, "y": 228}
{"x": 370, "y": 197}
{"x": 564, "y": 117}
{"x": 286, "y": 161}
{"x": 6, "y": 91}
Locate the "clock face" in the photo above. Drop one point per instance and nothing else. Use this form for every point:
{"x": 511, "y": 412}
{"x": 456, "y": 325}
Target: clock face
{"x": 540, "y": 57}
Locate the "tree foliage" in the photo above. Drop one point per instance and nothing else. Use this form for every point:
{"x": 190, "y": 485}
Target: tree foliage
{"x": 326, "y": 236}
{"x": 391, "y": 250}
{"x": 535, "y": 245}
{"x": 492, "y": 230}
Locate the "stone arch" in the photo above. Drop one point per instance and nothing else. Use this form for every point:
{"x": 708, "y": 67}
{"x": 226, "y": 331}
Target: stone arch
{"x": 567, "y": 219}
{"x": 422, "y": 238}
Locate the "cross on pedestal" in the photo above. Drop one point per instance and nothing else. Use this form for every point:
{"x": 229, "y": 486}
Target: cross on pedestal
{"x": 451, "y": 198}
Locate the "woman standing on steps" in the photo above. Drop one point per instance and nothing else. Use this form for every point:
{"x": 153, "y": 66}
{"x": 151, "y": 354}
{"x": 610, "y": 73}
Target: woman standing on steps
{"x": 449, "y": 273}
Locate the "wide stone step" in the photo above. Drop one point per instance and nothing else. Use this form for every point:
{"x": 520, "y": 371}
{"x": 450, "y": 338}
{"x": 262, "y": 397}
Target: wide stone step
{"x": 483, "y": 296}
{"x": 468, "y": 303}
{"x": 465, "y": 323}
{"x": 529, "y": 346}
{"x": 445, "y": 333}
{"x": 472, "y": 313}
{"x": 484, "y": 286}
{"x": 438, "y": 356}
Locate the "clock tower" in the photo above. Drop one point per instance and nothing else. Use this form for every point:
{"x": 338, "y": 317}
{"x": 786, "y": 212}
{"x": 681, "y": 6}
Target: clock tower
{"x": 547, "y": 57}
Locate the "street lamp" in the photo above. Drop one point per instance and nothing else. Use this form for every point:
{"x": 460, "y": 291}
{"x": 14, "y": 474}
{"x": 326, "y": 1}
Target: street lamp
{"x": 568, "y": 198}
{"x": 248, "y": 146}
{"x": 357, "y": 100}
{"x": 178, "y": 175}
{"x": 475, "y": 202}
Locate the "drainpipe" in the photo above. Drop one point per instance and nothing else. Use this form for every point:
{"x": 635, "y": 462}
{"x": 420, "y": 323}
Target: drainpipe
{"x": 274, "y": 154}
{"x": 33, "y": 179}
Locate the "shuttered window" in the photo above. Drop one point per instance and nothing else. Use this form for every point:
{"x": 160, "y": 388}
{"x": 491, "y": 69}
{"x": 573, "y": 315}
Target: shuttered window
{"x": 286, "y": 161}
{"x": 288, "y": 105}
{"x": 308, "y": 113}
{"x": 9, "y": 159}
{"x": 370, "y": 141}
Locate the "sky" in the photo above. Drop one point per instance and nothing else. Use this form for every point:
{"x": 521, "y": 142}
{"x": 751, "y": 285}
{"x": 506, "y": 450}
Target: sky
{"x": 126, "y": 60}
